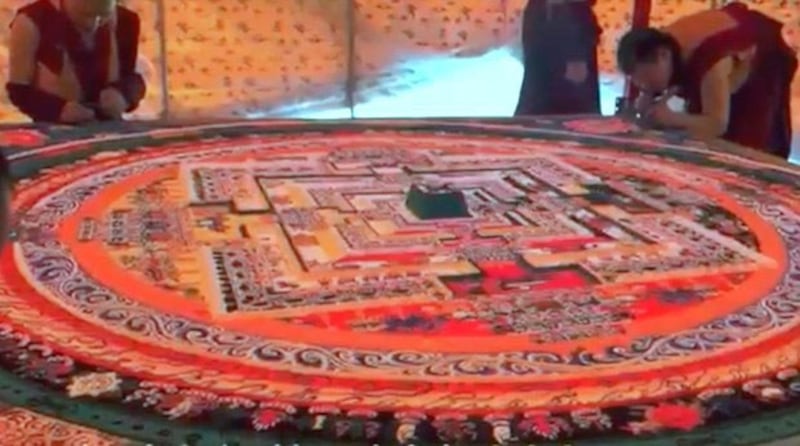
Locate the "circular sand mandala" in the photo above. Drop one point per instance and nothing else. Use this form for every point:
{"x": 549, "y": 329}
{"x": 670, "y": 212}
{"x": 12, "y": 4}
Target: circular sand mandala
{"x": 274, "y": 281}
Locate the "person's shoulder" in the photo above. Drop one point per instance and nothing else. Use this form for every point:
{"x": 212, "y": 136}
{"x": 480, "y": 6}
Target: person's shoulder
{"x": 31, "y": 19}
{"x": 35, "y": 6}
{"x": 39, "y": 11}
{"x": 127, "y": 17}
{"x": 126, "y": 13}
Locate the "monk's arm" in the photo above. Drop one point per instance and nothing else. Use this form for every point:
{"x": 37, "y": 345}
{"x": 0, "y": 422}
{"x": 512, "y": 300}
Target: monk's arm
{"x": 131, "y": 84}
{"x": 37, "y": 104}
{"x": 715, "y": 96}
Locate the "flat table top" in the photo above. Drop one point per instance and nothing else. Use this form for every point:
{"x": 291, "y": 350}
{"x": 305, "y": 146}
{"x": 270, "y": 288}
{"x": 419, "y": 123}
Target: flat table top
{"x": 243, "y": 282}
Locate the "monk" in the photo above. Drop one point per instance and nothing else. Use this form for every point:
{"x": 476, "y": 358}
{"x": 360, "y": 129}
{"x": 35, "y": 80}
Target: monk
{"x": 559, "y": 41}
{"x": 731, "y": 66}
{"x": 74, "y": 61}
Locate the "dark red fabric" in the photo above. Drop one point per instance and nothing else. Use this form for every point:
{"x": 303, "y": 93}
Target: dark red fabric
{"x": 551, "y": 38}
{"x": 759, "y": 114}
{"x": 131, "y": 84}
{"x": 58, "y": 35}
{"x": 39, "y": 105}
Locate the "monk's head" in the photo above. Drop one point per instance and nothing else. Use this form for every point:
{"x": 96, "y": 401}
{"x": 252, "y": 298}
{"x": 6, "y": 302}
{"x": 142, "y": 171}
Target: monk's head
{"x": 650, "y": 58}
{"x": 5, "y": 199}
{"x": 88, "y": 15}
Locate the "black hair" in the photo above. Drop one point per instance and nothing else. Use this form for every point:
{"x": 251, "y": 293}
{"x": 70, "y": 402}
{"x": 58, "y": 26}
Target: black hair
{"x": 642, "y": 44}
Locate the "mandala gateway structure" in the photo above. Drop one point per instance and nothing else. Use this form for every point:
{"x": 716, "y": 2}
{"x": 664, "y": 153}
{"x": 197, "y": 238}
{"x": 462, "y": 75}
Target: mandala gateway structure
{"x": 277, "y": 281}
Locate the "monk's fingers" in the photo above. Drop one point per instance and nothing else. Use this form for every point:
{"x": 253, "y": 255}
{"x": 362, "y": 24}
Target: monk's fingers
{"x": 657, "y": 111}
{"x": 661, "y": 101}
{"x": 672, "y": 92}
{"x": 666, "y": 96}
{"x": 643, "y": 102}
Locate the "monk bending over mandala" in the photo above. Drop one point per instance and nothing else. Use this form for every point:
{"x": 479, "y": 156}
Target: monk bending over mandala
{"x": 731, "y": 66}
{"x": 74, "y": 61}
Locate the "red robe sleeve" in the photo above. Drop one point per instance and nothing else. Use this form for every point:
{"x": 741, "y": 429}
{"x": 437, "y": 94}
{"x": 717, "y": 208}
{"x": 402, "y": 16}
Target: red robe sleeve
{"x": 39, "y": 105}
{"x": 131, "y": 84}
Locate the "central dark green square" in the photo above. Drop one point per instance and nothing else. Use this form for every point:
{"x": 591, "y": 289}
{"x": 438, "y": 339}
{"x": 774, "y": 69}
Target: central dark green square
{"x": 435, "y": 204}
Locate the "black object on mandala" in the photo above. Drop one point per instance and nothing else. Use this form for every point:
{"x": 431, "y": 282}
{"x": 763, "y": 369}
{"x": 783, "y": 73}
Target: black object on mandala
{"x": 428, "y": 203}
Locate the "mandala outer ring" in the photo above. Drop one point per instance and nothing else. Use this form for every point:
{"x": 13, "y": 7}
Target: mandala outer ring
{"x": 782, "y": 361}
{"x": 560, "y": 382}
{"x": 150, "y": 428}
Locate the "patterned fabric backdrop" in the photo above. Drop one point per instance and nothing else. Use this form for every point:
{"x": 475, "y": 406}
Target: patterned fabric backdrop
{"x": 287, "y": 57}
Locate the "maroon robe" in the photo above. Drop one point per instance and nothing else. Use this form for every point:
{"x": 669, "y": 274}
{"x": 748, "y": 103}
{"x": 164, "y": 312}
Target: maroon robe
{"x": 760, "y": 109}
{"x": 67, "y": 70}
{"x": 553, "y": 36}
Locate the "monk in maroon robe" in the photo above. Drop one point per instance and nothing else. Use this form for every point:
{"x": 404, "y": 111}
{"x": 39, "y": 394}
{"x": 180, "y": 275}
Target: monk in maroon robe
{"x": 559, "y": 42}
{"x": 74, "y": 61}
{"x": 732, "y": 67}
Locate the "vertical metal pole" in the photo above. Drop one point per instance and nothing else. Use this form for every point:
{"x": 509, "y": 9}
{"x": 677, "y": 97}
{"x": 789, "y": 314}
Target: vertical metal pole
{"x": 352, "y": 81}
{"x": 162, "y": 32}
{"x": 504, "y": 7}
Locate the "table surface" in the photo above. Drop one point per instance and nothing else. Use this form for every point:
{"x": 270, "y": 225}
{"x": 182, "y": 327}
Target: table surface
{"x": 187, "y": 195}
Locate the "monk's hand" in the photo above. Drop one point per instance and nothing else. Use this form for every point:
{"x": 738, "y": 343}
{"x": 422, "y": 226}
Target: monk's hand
{"x": 76, "y": 113}
{"x": 577, "y": 71}
{"x": 112, "y": 103}
{"x": 643, "y": 102}
{"x": 659, "y": 113}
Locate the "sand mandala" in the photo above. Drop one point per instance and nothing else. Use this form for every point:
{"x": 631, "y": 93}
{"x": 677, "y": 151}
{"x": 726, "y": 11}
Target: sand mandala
{"x": 276, "y": 281}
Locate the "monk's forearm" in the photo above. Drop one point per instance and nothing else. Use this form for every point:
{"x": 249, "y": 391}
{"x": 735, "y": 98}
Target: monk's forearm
{"x": 39, "y": 105}
{"x": 698, "y": 125}
{"x": 133, "y": 89}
